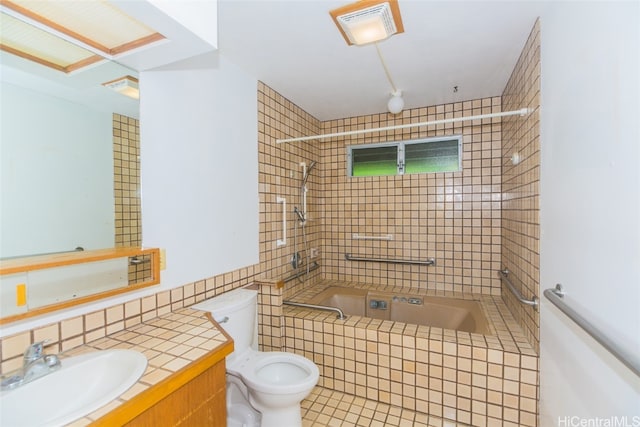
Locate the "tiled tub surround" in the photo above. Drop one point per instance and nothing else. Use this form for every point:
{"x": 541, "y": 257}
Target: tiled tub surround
{"x": 170, "y": 343}
{"x": 481, "y": 380}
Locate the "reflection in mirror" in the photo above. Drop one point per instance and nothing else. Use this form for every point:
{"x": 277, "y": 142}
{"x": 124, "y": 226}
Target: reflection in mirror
{"x": 69, "y": 164}
{"x": 69, "y": 168}
{"x": 40, "y": 284}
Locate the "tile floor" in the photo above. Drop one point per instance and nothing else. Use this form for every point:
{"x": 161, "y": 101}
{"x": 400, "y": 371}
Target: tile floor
{"x": 330, "y": 408}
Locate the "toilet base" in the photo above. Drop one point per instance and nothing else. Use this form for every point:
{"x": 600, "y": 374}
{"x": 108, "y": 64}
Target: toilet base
{"x": 290, "y": 417}
{"x": 241, "y": 415}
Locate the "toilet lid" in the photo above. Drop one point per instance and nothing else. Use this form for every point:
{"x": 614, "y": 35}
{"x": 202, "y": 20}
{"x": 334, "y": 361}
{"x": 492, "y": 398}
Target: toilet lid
{"x": 228, "y": 301}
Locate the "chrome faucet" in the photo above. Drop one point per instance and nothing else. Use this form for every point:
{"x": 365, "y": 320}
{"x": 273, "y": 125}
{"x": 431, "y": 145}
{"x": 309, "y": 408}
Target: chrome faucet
{"x": 35, "y": 364}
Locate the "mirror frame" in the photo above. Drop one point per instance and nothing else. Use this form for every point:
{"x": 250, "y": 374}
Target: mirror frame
{"x": 41, "y": 262}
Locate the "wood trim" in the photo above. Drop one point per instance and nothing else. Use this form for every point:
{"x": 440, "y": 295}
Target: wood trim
{"x": 33, "y": 58}
{"x": 363, "y": 4}
{"x": 149, "y": 397}
{"x": 65, "y": 69}
{"x": 21, "y": 265}
{"x": 136, "y": 43}
{"x": 84, "y": 63}
{"x": 278, "y": 284}
{"x": 39, "y": 262}
{"x": 131, "y": 78}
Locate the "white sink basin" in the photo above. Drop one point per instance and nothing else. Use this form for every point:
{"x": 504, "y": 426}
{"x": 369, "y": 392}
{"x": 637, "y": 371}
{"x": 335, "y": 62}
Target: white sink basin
{"x": 83, "y": 384}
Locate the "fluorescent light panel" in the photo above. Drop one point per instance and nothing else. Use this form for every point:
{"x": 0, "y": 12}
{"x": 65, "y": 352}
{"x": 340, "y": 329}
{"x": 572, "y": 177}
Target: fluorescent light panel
{"x": 69, "y": 35}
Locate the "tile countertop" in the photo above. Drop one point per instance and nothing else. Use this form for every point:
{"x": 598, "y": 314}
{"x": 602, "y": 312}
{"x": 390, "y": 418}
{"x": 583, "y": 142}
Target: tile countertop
{"x": 174, "y": 344}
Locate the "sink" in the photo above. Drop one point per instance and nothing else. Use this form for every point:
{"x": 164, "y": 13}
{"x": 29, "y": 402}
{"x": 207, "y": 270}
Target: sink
{"x": 83, "y": 384}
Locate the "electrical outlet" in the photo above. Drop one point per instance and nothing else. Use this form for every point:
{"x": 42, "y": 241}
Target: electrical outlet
{"x": 314, "y": 253}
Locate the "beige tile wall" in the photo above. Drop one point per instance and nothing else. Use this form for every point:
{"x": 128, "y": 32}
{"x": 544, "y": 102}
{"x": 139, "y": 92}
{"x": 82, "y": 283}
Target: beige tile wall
{"x": 126, "y": 187}
{"x": 126, "y": 173}
{"x": 280, "y": 175}
{"x": 454, "y": 217}
{"x": 520, "y": 184}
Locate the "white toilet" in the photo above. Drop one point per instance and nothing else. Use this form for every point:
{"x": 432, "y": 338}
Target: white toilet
{"x": 273, "y": 383}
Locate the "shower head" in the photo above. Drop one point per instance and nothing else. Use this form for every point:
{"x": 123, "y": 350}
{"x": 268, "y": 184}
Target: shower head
{"x": 308, "y": 172}
{"x": 311, "y": 166}
{"x": 299, "y": 214}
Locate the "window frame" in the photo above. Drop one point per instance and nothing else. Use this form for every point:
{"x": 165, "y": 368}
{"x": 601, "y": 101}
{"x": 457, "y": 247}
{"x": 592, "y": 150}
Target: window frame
{"x": 400, "y": 160}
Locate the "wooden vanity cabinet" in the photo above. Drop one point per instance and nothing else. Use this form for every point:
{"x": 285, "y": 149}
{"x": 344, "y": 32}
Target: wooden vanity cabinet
{"x": 200, "y": 402}
{"x": 196, "y": 396}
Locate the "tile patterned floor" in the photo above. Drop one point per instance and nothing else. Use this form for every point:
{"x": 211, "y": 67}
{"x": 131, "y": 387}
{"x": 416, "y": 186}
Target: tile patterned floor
{"x": 330, "y": 408}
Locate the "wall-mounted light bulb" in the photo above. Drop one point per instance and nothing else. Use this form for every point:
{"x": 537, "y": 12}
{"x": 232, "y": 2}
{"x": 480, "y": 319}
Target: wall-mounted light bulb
{"x": 515, "y": 158}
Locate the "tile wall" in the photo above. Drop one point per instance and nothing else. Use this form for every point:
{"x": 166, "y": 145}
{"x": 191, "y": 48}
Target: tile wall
{"x": 126, "y": 173}
{"x": 454, "y": 217}
{"x": 126, "y": 191}
{"x": 520, "y": 185}
{"x": 280, "y": 175}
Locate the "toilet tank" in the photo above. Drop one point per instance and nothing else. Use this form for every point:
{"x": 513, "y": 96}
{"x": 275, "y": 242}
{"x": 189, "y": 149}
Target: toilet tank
{"x": 237, "y": 313}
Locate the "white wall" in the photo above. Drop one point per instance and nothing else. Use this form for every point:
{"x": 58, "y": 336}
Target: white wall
{"x": 56, "y": 174}
{"x": 199, "y": 170}
{"x": 590, "y": 207}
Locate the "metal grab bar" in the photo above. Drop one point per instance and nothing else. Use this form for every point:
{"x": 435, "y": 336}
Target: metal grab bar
{"x": 357, "y": 236}
{"x": 283, "y": 241}
{"x": 504, "y": 275}
{"x": 313, "y": 266}
{"x": 556, "y": 297}
{"x": 428, "y": 261}
{"x": 341, "y": 315}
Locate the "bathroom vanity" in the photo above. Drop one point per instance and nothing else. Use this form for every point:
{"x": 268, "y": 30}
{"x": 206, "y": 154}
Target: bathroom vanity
{"x": 184, "y": 383}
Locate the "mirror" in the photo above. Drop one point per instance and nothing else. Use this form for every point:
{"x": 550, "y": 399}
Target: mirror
{"x": 69, "y": 160}
{"x": 69, "y": 177}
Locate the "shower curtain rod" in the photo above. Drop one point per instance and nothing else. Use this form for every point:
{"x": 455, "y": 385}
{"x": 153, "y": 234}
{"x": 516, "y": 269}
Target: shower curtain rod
{"x": 521, "y": 112}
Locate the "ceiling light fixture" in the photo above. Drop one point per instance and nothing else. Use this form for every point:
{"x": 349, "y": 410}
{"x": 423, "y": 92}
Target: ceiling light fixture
{"x": 368, "y": 21}
{"x": 126, "y": 85}
{"x": 396, "y": 103}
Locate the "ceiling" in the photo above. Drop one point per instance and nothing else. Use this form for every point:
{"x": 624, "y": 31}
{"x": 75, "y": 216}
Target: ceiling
{"x": 295, "y": 48}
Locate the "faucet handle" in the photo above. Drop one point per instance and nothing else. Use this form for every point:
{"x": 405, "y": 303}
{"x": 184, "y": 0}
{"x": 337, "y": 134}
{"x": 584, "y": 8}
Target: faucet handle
{"x": 34, "y": 351}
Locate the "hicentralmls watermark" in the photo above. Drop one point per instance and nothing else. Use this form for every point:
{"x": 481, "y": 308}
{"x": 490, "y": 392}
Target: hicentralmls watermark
{"x": 615, "y": 421}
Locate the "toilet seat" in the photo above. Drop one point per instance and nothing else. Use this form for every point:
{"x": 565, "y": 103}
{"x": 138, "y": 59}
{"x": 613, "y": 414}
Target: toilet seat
{"x": 275, "y": 372}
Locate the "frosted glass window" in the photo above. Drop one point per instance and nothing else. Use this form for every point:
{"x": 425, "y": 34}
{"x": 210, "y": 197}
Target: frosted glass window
{"x": 433, "y": 156}
{"x": 429, "y": 155}
{"x": 375, "y": 161}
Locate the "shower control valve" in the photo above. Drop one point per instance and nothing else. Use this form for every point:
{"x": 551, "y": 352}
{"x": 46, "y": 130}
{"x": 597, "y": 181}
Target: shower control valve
{"x": 378, "y": 304}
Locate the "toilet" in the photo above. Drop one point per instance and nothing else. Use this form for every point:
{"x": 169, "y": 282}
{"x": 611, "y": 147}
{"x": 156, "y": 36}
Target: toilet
{"x": 264, "y": 389}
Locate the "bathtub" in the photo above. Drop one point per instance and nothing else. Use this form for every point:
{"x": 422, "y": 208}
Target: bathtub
{"x": 459, "y": 357}
{"x": 441, "y": 312}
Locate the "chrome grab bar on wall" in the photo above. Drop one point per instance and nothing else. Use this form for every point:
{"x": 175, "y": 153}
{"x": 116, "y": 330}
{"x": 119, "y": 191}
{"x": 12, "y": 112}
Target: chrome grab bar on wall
{"x": 428, "y": 261}
{"x": 504, "y": 275}
{"x": 556, "y": 297}
{"x": 313, "y": 266}
{"x": 341, "y": 315}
